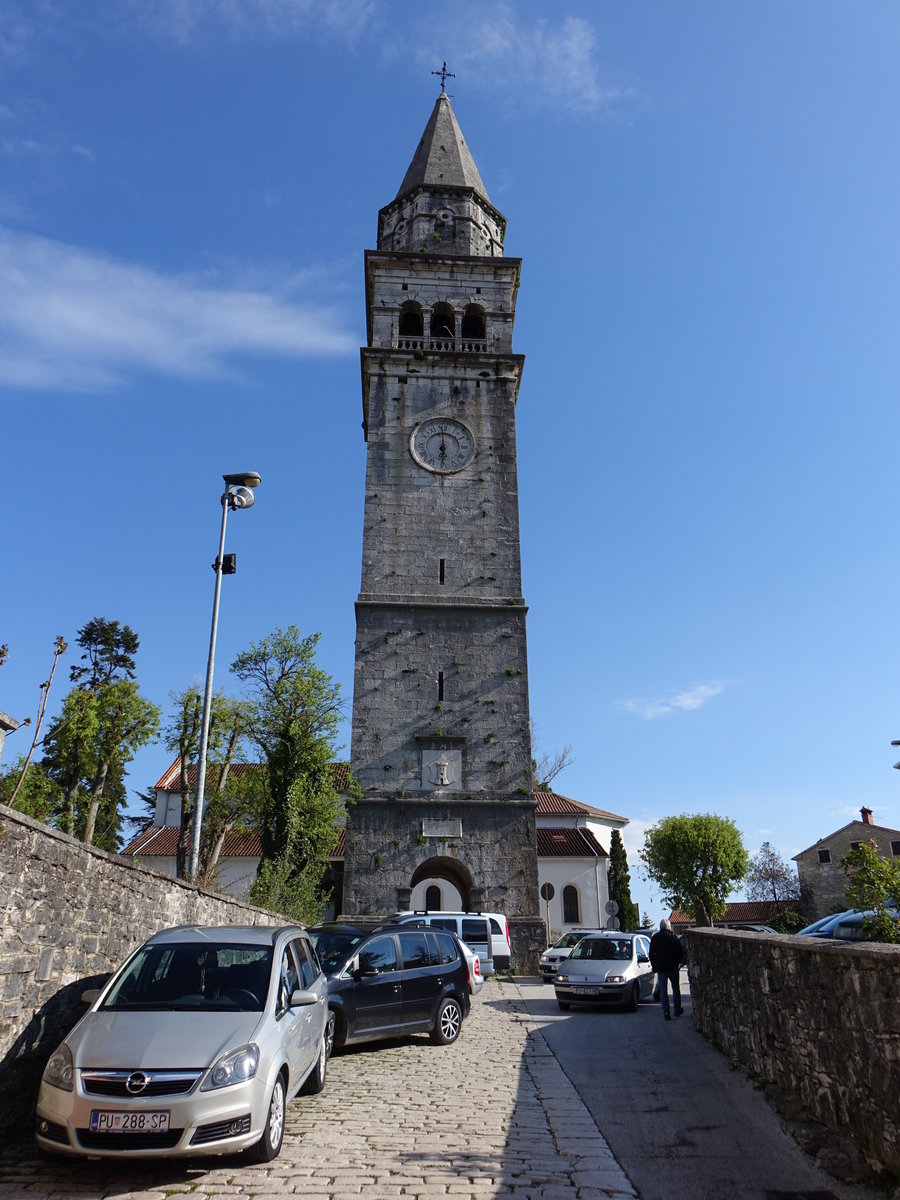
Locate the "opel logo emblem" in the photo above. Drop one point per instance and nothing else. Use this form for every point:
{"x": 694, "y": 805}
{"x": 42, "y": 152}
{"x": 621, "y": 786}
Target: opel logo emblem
{"x": 136, "y": 1083}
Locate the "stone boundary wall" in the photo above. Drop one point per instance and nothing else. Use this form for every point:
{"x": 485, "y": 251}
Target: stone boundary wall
{"x": 70, "y": 915}
{"x": 817, "y": 1018}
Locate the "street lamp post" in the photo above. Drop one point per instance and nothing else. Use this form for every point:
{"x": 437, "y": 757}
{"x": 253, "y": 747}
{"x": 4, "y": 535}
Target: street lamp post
{"x": 238, "y": 494}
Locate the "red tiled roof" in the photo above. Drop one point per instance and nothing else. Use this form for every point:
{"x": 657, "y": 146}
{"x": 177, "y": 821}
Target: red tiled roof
{"x": 568, "y": 843}
{"x": 162, "y": 843}
{"x": 552, "y": 804}
{"x": 758, "y": 912}
{"x": 169, "y": 782}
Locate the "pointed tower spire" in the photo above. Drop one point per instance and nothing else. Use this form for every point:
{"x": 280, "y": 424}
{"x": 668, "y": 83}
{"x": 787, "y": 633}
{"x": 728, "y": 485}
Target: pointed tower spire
{"x": 442, "y": 206}
{"x": 442, "y": 158}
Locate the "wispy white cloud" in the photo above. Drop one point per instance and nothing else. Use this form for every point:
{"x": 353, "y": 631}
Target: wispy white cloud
{"x": 548, "y": 63}
{"x": 185, "y": 21}
{"x": 687, "y": 700}
{"x": 82, "y": 321}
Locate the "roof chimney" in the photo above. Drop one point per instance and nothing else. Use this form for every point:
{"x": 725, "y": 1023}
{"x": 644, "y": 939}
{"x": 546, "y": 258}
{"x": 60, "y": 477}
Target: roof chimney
{"x": 867, "y": 816}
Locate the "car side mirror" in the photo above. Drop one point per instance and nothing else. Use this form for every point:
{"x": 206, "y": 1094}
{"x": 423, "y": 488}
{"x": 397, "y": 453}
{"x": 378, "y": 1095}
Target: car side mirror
{"x": 302, "y": 998}
{"x": 642, "y": 958}
{"x": 89, "y": 995}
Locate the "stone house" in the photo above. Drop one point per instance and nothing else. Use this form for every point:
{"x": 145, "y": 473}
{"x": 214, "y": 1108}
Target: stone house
{"x": 572, "y": 846}
{"x": 822, "y": 881}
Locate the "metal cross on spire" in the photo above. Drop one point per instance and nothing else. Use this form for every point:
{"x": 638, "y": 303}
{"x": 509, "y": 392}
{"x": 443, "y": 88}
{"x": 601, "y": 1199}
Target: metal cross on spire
{"x": 445, "y": 75}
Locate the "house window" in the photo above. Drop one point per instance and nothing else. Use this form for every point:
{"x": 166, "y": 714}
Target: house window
{"x": 855, "y": 845}
{"x": 570, "y": 905}
{"x": 824, "y": 856}
{"x": 433, "y": 898}
{"x": 895, "y": 849}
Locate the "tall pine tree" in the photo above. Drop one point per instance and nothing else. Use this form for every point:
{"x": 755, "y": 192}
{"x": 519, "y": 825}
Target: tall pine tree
{"x": 620, "y": 881}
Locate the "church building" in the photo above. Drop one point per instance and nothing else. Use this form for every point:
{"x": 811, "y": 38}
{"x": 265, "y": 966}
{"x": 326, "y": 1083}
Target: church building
{"x": 440, "y": 738}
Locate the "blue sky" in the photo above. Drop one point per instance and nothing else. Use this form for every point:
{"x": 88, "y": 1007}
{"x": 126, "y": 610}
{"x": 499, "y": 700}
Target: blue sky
{"x": 705, "y": 198}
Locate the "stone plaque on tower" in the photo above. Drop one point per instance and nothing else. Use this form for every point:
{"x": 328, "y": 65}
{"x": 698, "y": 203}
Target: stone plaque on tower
{"x": 441, "y": 734}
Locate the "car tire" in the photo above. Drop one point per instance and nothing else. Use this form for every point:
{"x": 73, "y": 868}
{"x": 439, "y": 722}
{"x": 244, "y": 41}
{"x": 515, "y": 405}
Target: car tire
{"x": 315, "y": 1080}
{"x": 330, "y": 1026}
{"x": 269, "y": 1145}
{"x": 448, "y": 1023}
{"x": 564, "y": 1005}
{"x": 634, "y": 998}
{"x": 340, "y": 1030}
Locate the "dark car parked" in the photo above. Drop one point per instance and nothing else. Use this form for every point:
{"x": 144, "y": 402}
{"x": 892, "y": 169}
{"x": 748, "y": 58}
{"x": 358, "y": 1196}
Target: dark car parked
{"x": 388, "y": 982}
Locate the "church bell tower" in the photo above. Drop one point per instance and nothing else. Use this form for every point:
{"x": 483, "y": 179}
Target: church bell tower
{"x": 440, "y": 736}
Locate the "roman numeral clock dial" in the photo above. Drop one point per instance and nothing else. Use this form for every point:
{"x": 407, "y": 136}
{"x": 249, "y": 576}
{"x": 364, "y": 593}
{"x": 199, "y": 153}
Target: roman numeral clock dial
{"x": 442, "y": 445}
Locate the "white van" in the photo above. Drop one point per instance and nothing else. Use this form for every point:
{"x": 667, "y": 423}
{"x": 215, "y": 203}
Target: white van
{"x": 472, "y": 928}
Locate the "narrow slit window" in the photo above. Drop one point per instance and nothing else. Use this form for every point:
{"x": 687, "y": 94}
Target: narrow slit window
{"x": 440, "y": 685}
{"x": 442, "y": 572}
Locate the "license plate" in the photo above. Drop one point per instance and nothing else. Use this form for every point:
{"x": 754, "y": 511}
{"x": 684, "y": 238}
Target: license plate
{"x": 585, "y": 991}
{"x": 103, "y": 1121}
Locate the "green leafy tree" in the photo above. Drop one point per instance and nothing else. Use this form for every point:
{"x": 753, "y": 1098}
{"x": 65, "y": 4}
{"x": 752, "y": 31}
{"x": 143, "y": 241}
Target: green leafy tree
{"x": 225, "y": 802}
{"x": 788, "y": 921}
{"x": 104, "y": 722}
{"x": 769, "y": 877}
{"x": 293, "y": 716}
{"x": 695, "y": 861}
{"x": 873, "y": 884}
{"x": 619, "y": 878}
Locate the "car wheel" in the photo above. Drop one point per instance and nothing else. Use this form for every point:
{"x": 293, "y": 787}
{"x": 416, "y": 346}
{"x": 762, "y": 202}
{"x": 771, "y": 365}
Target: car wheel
{"x": 634, "y": 998}
{"x": 329, "y": 1033}
{"x": 269, "y": 1145}
{"x": 315, "y": 1080}
{"x": 564, "y": 1005}
{"x": 449, "y": 1022}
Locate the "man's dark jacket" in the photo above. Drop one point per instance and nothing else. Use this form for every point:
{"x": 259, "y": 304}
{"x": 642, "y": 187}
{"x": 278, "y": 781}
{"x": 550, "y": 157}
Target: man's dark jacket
{"x": 665, "y": 951}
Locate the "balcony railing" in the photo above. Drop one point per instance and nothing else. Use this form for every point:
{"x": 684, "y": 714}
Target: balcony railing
{"x": 462, "y": 345}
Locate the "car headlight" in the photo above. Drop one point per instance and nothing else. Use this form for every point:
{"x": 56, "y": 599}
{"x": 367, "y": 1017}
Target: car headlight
{"x": 562, "y": 977}
{"x": 615, "y": 979}
{"x": 235, "y": 1067}
{"x": 60, "y": 1070}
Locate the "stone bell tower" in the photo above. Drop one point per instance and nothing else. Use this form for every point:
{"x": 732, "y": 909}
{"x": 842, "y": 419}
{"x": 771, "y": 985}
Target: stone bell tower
{"x": 440, "y": 738}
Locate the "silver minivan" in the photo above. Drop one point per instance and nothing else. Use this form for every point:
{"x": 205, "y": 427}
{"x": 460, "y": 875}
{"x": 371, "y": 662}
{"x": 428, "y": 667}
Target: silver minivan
{"x": 470, "y": 928}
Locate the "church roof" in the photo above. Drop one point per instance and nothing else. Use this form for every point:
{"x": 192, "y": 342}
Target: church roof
{"x": 168, "y": 782}
{"x": 442, "y": 158}
{"x": 568, "y": 843}
{"x": 552, "y": 804}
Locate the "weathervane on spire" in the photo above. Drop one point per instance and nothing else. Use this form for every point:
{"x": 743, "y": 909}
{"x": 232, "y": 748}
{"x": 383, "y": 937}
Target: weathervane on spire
{"x": 445, "y": 75}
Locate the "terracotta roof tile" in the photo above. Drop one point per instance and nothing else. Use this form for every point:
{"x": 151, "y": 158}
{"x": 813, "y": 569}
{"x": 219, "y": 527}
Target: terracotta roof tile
{"x": 757, "y": 912}
{"x": 340, "y": 775}
{"x": 568, "y": 843}
{"x": 552, "y": 804}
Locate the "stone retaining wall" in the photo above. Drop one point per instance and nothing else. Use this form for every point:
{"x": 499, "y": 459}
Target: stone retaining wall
{"x": 69, "y": 914}
{"x": 817, "y": 1018}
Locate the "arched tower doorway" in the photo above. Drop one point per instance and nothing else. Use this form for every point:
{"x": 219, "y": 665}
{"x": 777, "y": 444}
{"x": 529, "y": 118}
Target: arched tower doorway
{"x": 446, "y": 876}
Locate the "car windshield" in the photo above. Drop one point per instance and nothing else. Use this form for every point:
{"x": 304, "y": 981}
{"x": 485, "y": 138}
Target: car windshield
{"x": 334, "y": 947}
{"x": 616, "y": 949}
{"x": 189, "y": 976}
{"x": 567, "y": 941}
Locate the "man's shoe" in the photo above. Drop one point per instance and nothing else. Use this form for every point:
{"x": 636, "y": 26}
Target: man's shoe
{"x": 667, "y": 1016}
{"x": 678, "y": 1012}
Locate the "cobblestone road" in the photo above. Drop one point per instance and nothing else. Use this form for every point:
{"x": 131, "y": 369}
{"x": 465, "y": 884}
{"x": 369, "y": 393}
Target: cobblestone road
{"x": 491, "y": 1116}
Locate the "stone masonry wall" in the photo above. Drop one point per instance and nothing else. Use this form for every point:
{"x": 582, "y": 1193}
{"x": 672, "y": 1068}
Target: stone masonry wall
{"x": 70, "y": 914}
{"x": 817, "y": 1018}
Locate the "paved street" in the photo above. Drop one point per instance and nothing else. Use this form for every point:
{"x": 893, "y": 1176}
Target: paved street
{"x": 494, "y": 1115}
{"x": 491, "y": 1116}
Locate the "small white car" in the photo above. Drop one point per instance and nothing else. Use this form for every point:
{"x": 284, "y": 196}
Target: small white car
{"x": 195, "y": 1046}
{"x": 607, "y": 968}
{"x": 559, "y": 951}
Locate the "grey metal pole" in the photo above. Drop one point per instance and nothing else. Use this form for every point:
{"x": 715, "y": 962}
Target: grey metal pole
{"x": 200, "y": 787}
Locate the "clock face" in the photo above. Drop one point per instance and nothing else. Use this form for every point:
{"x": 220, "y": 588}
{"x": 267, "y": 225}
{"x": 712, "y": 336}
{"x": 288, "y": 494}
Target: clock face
{"x": 443, "y": 445}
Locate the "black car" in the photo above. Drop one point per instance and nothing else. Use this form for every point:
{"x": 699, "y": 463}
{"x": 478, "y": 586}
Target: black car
{"x": 387, "y": 982}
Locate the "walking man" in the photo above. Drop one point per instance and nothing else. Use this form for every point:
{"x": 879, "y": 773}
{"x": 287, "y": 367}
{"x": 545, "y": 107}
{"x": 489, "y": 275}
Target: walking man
{"x": 666, "y": 957}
